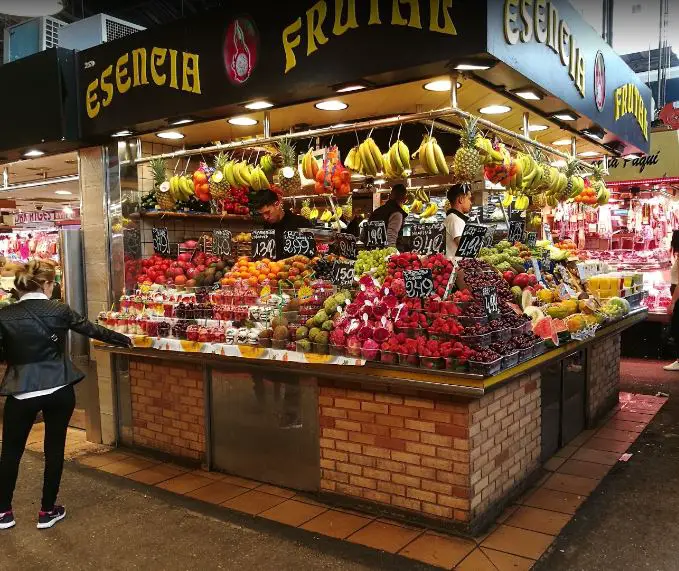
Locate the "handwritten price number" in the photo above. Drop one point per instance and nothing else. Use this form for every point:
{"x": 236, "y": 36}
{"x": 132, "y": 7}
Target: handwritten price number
{"x": 471, "y": 241}
{"x": 490, "y": 233}
{"x": 377, "y": 234}
{"x": 429, "y": 239}
{"x": 548, "y": 232}
{"x": 264, "y": 244}
{"x": 342, "y": 273}
{"x": 221, "y": 243}
{"x": 419, "y": 283}
{"x": 132, "y": 242}
{"x": 346, "y": 245}
{"x": 516, "y": 231}
{"x": 161, "y": 241}
{"x": 298, "y": 244}
{"x": 490, "y": 301}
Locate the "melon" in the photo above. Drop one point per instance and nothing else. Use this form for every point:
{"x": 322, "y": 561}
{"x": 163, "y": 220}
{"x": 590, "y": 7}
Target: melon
{"x": 534, "y": 313}
{"x": 526, "y": 299}
{"x": 545, "y": 328}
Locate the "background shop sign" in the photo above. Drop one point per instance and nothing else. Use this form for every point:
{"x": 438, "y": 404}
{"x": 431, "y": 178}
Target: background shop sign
{"x": 563, "y": 55}
{"x": 38, "y": 217}
{"x": 216, "y": 62}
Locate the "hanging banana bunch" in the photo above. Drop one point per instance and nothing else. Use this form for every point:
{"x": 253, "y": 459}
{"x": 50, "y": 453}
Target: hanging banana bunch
{"x": 598, "y": 185}
{"x": 353, "y": 160}
{"x": 489, "y": 155}
{"x": 397, "y": 160}
{"x": 371, "y": 158}
{"x": 432, "y": 158}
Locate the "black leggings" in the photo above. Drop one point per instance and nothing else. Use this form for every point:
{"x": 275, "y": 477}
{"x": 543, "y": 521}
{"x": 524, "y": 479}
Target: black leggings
{"x": 18, "y": 420}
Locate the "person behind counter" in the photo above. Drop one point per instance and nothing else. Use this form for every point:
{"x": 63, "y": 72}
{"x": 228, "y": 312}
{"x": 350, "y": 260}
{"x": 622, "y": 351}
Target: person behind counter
{"x": 672, "y": 308}
{"x": 392, "y": 214}
{"x": 39, "y": 378}
{"x": 460, "y": 200}
{"x": 278, "y": 218}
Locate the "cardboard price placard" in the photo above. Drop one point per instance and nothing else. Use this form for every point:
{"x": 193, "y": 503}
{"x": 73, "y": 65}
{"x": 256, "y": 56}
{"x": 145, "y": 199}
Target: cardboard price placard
{"x": 263, "y": 244}
{"x": 161, "y": 241}
{"x": 516, "y": 230}
{"x": 419, "y": 283}
{"x": 376, "y": 234}
{"x": 297, "y": 243}
{"x": 428, "y": 238}
{"x": 345, "y": 245}
{"x": 531, "y": 239}
{"x": 471, "y": 241}
{"x": 342, "y": 273}
{"x": 221, "y": 242}
{"x": 490, "y": 304}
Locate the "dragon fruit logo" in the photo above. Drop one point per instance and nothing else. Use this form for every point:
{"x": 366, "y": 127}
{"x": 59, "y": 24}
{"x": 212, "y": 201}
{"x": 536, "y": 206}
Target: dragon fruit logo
{"x": 241, "y": 47}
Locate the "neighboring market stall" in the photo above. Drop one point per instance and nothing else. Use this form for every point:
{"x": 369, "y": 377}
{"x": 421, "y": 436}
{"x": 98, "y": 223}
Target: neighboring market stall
{"x": 401, "y": 381}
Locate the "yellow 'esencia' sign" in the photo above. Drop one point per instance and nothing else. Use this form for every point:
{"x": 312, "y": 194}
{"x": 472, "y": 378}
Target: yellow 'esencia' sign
{"x": 318, "y": 21}
{"x": 177, "y": 70}
{"x": 628, "y": 100}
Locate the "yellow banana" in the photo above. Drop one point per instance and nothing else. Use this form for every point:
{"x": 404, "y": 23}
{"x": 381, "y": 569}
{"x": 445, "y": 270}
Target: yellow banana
{"x": 395, "y": 159}
{"x": 375, "y": 153}
{"x": 404, "y": 154}
{"x": 369, "y": 165}
{"x": 440, "y": 159}
{"x": 228, "y": 173}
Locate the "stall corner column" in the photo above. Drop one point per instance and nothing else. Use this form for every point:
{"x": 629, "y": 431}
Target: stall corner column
{"x": 603, "y": 377}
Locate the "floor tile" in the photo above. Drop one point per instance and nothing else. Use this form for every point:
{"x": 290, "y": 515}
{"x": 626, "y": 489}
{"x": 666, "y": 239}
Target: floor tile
{"x": 581, "y": 438}
{"x": 563, "y": 502}
{"x": 210, "y": 475}
{"x": 621, "y": 435}
{"x": 572, "y": 484}
{"x": 535, "y": 519}
{"x": 98, "y": 460}
{"x": 336, "y": 524}
{"x": 217, "y": 492}
{"x": 508, "y": 562}
{"x": 521, "y": 542}
{"x": 630, "y": 426}
{"x": 275, "y": 491}
{"x": 238, "y": 481}
{"x": 476, "y": 561}
{"x": 438, "y": 550}
{"x": 553, "y": 463}
{"x": 383, "y": 536}
{"x": 506, "y": 514}
{"x": 566, "y": 451}
{"x": 584, "y": 469}
{"x": 185, "y": 483}
{"x": 597, "y": 443}
{"x": 597, "y": 456}
{"x": 307, "y": 500}
{"x": 127, "y": 466}
{"x": 156, "y": 474}
{"x": 253, "y": 502}
{"x": 634, "y": 416}
{"x": 293, "y": 512}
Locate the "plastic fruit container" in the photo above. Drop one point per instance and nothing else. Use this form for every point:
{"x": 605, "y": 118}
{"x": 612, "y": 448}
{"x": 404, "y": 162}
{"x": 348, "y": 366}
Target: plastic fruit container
{"x": 319, "y": 349}
{"x": 528, "y": 327}
{"x": 501, "y": 334}
{"x": 432, "y": 363}
{"x": 454, "y": 364}
{"x": 265, "y": 342}
{"x": 476, "y": 341}
{"x": 354, "y": 352}
{"x": 338, "y": 350}
{"x": 408, "y": 359}
{"x": 389, "y": 357}
{"x": 467, "y": 320}
{"x": 279, "y": 344}
{"x": 510, "y": 360}
{"x": 485, "y": 369}
{"x": 370, "y": 354}
{"x": 539, "y": 348}
{"x": 525, "y": 354}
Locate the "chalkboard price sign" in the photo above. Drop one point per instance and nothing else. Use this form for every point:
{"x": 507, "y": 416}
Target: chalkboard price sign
{"x": 531, "y": 239}
{"x": 132, "y": 242}
{"x": 490, "y": 233}
{"x": 489, "y": 294}
{"x": 471, "y": 241}
{"x": 419, "y": 283}
{"x": 516, "y": 230}
{"x": 376, "y": 234}
{"x": 221, "y": 242}
{"x": 342, "y": 273}
{"x": 161, "y": 241}
{"x": 298, "y": 244}
{"x": 428, "y": 238}
{"x": 547, "y": 232}
{"x": 263, "y": 244}
{"x": 345, "y": 245}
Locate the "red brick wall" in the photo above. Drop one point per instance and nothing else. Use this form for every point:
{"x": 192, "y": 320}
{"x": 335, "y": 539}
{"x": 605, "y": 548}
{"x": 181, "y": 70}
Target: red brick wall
{"x": 410, "y": 453}
{"x": 168, "y": 407}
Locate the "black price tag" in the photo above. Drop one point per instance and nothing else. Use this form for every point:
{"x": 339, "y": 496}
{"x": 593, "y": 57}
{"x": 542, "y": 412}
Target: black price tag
{"x": 132, "y": 242}
{"x": 376, "y": 234}
{"x": 489, "y": 294}
{"x": 342, "y": 273}
{"x": 263, "y": 244}
{"x": 490, "y": 234}
{"x": 547, "y": 232}
{"x": 345, "y": 245}
{"x": 161, "y": 241}
{"x": 419, "y": 283}
{"x": 516, "y": 230}
{"x": 471, "y": 241}
{"x": 221, "y": 242}
{"x": 531, "y": 239}
{"x": 428, "y": 238}
{"x": 298, "y": 244}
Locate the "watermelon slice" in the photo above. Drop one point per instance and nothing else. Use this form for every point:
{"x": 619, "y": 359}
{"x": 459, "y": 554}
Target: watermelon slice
{"x": 545, "y": 328}
{"x": 559, "y": 325}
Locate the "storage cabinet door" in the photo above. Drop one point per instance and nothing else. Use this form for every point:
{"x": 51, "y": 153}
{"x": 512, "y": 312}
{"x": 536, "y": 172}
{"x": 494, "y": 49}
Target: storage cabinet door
{"x": 574, "y": 388}
{"x": 551, "y": 409}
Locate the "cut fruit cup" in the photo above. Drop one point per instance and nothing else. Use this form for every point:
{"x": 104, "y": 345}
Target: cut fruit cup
{"x": 279, "y": 344}
{"x": 485, "y": 369}
{"x": 510, "y": 360}
{"x": 319, "y": 349}
{"x": 433, "y": 363}
{"x": 389, "y": 357}
{"x": 476, "y": 341}
{"x": 354, "y": 352}
{"x": 370, "y": 354}
{"x": 338, "y": 350}
{"x": 265, "y": 342}
{"x": 408, "y": 359}
{"x": 300, "y": 349}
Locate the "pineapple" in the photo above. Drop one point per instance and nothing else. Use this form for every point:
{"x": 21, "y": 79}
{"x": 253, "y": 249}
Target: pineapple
{"x": 288, "y": 177}
{"x": 218, "y": 185}
{"x": 306, "y": 208}
{"x": 161, "y": 187}
{"x": 467, "y": 162}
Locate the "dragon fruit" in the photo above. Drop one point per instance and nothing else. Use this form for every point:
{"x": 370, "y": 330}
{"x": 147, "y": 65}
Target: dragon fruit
{"x": 338, "y": 337}
{"x": 398, "y": 287}
{"x": 381, "y": 334}
{"x": 366, "y": 332}
{"x": 370, "y": 349}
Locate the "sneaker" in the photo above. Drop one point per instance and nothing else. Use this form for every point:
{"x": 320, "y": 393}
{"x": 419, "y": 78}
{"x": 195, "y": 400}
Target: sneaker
{"x": 672, "y": 367}
{"x": 7, "y": 520}
{"x": 48, "y": 519}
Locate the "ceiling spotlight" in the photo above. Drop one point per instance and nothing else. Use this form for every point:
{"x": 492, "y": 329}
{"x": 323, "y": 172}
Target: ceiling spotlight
{"x": 565, "y": 116}
{"x": 631, "y": 156}
{"x": 562, "y": 143}
{"x": 68, "y": 211}
{"x": 348, "y": 88}
{"x": 594, "y": 133}
{"x": 181, "y": 122}
{"x": 495, "y": 109}
{"x": 537, "y": 127}
{"x": 332, "y": 105}
{"x": 63, "y": 192}
{"x": 528, "y": 94}
{"x": 242, "y": 121}
{"x": 256, "y": 105}
{"x": 33, "y": 153}
{"x": 440, "y": 85}
{"x": 123, "y": 133}
{"x": 170, "y": 135}
{"x": 589, "y": 154}
{"x": 471, "y": 66}
{"x": 33, "y": 9}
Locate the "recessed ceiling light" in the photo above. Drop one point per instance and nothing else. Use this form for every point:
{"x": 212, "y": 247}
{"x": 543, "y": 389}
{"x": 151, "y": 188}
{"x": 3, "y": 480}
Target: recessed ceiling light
{"x": 595, "y": 133}
{"x": 63, "y": 192}
{"x": 562, "y": 143}
{"x": 170, "y": 135}
{"x": 34, "y": 153}
{"x": 332, "y": 105}
{"x": 123, "y": 133}
{"x": 528, "y": 94}
{"x": 255, "y": 105}
{"x": 589, "y": 154}
{"x": 242, "y": 121}
{"x": 351, "y": 87}
{"x": 495, "y": 109}
{"x": 565, "y": 116}
{"x": 440, "y": 85}
{"x": 181, "y": 122}
{"x": 537, "y": 127}
{"x": 471, "y": 66}
{"x": 68, "y": 211}
{"x": 631, "y": 156}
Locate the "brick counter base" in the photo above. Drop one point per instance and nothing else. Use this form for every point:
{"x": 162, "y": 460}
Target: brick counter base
{"x": 603, "y": 376}
{"x": 168, "y": 407}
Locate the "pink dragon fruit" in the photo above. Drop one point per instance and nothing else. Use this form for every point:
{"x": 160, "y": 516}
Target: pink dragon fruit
{"x": 398, "y": 286}
{"x": 338, "y": 337}
{"x": 365, "y": 332}
{"x": 370, "y": 349}
{"x": 381, "y": 334}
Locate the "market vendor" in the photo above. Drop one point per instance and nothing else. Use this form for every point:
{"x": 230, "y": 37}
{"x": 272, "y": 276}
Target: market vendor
{"x": 460, "y": 200}
{"x": 270, "y": 206}
{"x": 392, "y": 214}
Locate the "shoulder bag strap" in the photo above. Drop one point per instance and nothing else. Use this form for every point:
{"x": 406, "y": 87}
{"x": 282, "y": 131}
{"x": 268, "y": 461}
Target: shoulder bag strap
{"x": 43, "y": 326}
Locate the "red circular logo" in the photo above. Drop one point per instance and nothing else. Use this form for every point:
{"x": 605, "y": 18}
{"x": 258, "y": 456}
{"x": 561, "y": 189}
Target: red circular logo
{"x": 599, "y": 81}
{"x": 670, "y": 114}
{"x": 241, "y": 48}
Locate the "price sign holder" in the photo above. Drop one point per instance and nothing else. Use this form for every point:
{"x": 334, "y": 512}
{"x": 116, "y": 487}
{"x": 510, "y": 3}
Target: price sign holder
{"x": 297, "y": 243}
{"x": 531, "y": 239}
{"x": 263, "y": 244}
{"x": 342, "y": 273}
{"x": 547, "y": 232}
{"x": 490, "y": 304}
{"x": 471, "y": 241}
{"x": 376, "y": 234}
{"x": 516, "y": 230}
{"x": 536, "y": 270}
{"x": 345, "y": 245}
{"x": 161, "y": 241}
{"x": 451, "y": 280}
{"x": 419, "y": 283}
{"x": 490, "y": 233}
{"x": 428, "y": 239}
{"x": 221, "y": 242}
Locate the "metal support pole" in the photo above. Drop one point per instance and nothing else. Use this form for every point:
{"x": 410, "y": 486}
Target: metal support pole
{"x": 574, "y": 143}
{"x": 267, "y": 123}
{"x": 453, "y": 90}
{"x": 5, "y": 177}
{"x": 526, "y": 124}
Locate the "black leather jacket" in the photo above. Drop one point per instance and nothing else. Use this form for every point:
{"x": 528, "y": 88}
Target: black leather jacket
{"x": 34, "y": 361}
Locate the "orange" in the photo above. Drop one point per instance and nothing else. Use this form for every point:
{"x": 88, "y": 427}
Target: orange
{"x": 252, "y": 281}
{"x": 271, "y": 276}
{"x": 261, "y": 278}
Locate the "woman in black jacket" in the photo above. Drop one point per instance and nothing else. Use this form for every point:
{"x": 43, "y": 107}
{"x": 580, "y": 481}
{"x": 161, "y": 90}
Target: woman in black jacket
{"x": 39, "y": 377}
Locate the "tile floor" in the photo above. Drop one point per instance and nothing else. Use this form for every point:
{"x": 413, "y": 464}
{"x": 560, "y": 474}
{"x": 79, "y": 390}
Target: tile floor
{"x": 518, "y": 539}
